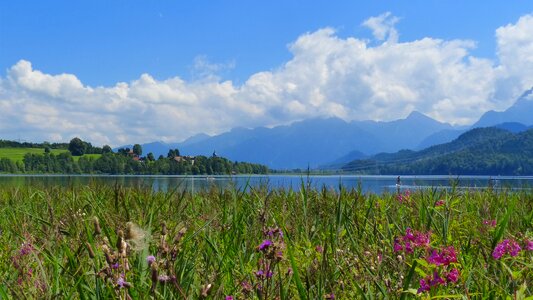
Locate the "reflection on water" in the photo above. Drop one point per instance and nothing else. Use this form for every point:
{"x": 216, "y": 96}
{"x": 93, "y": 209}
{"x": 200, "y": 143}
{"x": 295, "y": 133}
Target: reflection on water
{"x": 375, "y": 184}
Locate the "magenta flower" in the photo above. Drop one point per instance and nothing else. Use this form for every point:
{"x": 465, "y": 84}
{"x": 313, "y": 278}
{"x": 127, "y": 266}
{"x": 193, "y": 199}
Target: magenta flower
{"x": 397, "y": 247}
{"x": 264, "y": 245}
{"x": 529, "y": 245}
{"x": 424, "y": 286}
{"x": 229, "y": 298}
{"x": 439, "y": 203}
{"x": 26, "y": 249}
{"x": 489, "y": 223}
{"x": 259, "y": 273}
{"x": 437, "y": 280}
{"x": 453, "y": 275}
{"x": 409, "y": 236}
{"x": 510, "y": 247}
{"x": 442, "y": 258}
{"x": 499, "y": 250}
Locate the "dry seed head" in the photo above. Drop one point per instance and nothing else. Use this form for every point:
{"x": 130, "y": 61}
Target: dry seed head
{"x": 164, "y": 228}
{"x": 205, "y": 290}
{"x": 180, "y": 235}
{"x": 97, "y": 229}
{"x": 153, "y": 268}
{"x": 120, "y": 240}
{"x": 135, "y": 236}
{"x": 90, "y": 250}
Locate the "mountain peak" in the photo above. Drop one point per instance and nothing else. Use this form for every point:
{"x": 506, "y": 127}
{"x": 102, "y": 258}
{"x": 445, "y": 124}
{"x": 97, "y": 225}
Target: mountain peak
{"x": 417, "y": 115}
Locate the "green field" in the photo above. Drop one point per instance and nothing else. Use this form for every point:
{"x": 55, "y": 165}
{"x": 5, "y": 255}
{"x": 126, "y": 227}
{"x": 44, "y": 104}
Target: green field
{"x": 98, "y": 242}
{"x": 17, "y": 154}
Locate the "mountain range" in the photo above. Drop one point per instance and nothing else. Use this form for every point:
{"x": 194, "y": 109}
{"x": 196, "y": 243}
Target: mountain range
{"x": 479, "y": 151}
{"x": 332, "y": 142}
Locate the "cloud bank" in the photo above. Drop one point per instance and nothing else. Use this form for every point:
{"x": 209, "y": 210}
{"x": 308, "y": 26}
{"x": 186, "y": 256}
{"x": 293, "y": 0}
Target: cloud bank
{"x": 349, "y": 78}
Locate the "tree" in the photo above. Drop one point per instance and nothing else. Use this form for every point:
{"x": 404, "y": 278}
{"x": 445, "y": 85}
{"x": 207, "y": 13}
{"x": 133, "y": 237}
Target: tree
{"x": 137, "y": 149}
{"x": 76, "y": 147}
{"x": 150, "y": 156}
{"x": 106, "y": 149}
{"x": 173, "y": 153}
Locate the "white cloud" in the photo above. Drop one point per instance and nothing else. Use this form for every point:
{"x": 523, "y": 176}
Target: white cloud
{"x": 382, "y": 27}
{"x": 350, "y": 78}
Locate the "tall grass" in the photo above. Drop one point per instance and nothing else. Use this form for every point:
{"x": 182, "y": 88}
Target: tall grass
{"x": 101, "y": 242}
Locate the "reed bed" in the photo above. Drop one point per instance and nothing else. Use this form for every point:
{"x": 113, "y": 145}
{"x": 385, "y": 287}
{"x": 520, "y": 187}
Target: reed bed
{"x": 101, "y": 242}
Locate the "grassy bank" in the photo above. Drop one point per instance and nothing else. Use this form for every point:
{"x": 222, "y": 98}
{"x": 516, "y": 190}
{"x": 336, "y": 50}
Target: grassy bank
{"x": 101, "y": 242}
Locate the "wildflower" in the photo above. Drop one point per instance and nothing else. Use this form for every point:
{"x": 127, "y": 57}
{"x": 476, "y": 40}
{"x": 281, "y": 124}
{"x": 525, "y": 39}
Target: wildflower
{"x": 150, "y": 259}
{"x": 437, "y": 280}
{"x": 229, "y": 298}
{"x": 529, "y": 245}
{"x": 489, "y": 223}
{"x": 408, "y": 247}
{"x": 264, "y": 245}
{"x": 319, "y": 249}
{"x": 453, "y": 275}
{"x": 424, "y": 286}
{"x": 246, "y": 287}
{"x": 409, "y": 236}
{"x": 289, "y": 271}
{"x": 510, "y": 247}
{"x": 26, "y": 248}
{"x": 122, "y": 283}
{"x": 439, "y": 203}
{"x": 397, "y": 247}
{"x": 445, "y": 257}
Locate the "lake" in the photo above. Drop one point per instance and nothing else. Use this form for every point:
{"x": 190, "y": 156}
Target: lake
{"x": 373, "y": 184}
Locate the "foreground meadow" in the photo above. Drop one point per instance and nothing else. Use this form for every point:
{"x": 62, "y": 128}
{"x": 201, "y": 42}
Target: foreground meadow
{"x": 101, "y": 242}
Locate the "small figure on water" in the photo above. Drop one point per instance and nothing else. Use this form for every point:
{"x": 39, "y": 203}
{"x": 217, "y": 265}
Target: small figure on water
{"x": 398, "y": 184}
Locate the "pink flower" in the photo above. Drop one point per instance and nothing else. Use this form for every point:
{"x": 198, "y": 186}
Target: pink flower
{"x": 439, "y": 203}
{"x": 229, "y": 298}
{"x": 453, "y": 275}
{"x": 489, "y": 223}
{"x": 424, "y": 286}
{"x": 510, "y": 247}
{"x": 529, "y": 245}
{"x": 397, "y": 247}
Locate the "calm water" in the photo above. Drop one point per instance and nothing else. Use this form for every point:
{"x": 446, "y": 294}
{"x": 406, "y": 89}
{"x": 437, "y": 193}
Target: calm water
{"x": 374, "y": 184}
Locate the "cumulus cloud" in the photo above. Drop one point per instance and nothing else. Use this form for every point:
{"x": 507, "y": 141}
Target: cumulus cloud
{"x": 382, "y": 26}
{"x": 327, "y": 76}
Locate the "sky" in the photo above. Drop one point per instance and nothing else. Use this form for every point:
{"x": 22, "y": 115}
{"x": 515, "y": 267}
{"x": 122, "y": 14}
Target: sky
{"x": 120, "y": 72}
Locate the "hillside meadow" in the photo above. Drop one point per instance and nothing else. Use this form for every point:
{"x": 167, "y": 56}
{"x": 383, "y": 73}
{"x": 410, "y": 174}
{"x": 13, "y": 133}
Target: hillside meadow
{"x": 99, "y": 242}
{"x": 17, "y": 154}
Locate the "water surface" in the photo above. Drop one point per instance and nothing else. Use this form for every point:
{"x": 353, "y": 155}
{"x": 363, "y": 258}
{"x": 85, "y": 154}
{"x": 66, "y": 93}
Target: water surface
{"x": 374, "y": 184}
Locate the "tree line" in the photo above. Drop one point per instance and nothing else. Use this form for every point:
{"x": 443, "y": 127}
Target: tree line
{"x": 125, "y": 162}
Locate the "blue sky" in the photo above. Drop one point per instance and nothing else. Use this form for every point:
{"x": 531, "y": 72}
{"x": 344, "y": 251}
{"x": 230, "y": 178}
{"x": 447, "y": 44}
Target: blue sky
{"x": 138, "y": 71}
{"x": 104, "y": 42}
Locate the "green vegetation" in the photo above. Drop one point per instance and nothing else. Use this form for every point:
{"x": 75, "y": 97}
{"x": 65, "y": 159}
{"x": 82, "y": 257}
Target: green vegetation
{"x": 100, "y": 242}
{"x": 481, "y": 151}
{"x": 82, "y": 158}
{"x": 17, "y": 154}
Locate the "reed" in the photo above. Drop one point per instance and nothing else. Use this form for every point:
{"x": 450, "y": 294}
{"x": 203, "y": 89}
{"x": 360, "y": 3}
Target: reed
{"x": 102, "y": 242}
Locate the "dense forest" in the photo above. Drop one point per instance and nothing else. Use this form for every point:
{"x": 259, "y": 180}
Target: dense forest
{"x": 481, "y": 151}
{"x": 125, "y": 161}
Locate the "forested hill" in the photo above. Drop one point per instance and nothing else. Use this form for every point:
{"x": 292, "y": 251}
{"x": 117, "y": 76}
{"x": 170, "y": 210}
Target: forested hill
{"x": 480, "y": 151}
